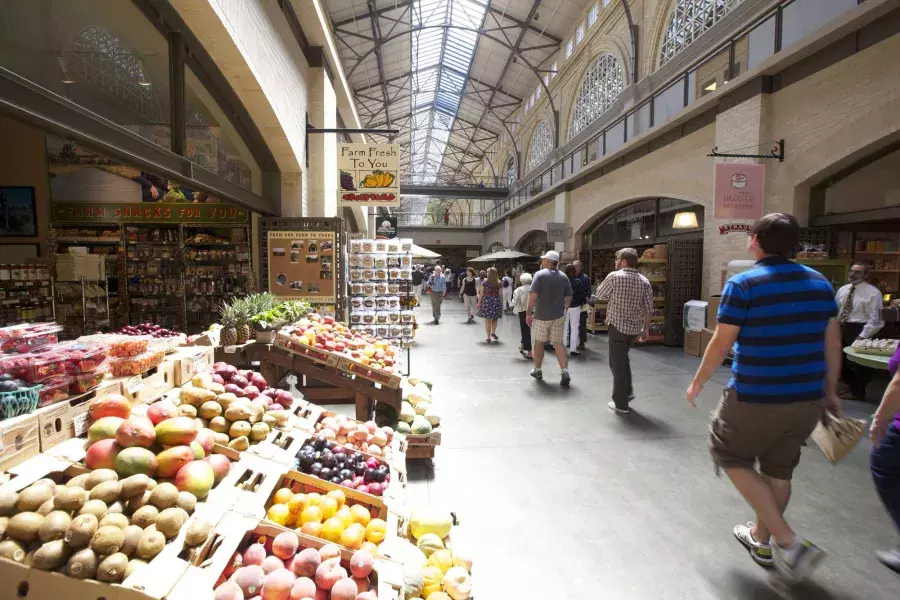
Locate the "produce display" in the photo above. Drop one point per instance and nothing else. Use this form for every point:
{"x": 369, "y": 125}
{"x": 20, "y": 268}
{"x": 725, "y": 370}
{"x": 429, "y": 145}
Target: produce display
{"x": 27, "y": 337}
{"x": 262, "y": 312}
{"x": 324, "y": 333}
{"x": 55, "y": 390}
{"x": 150, "y": 329}
{"x": 340, "y": 465}
{"x": 417, "y": 416}
{"x": 126, "y": 366}
{"x": 354, "y": 435}
{"x": 380, "y": 287}
{"x": 96, "y": 525}
{"x": 162, "y": 444}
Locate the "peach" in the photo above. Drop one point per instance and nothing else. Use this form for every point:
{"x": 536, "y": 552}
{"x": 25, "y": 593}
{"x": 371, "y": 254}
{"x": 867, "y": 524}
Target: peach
{"x": 329, "y": 551}
{"x": 303, "y": 588}
{"x": 284, "y": 546}
{"x": 278, "y": 585}
{"x": 236, "y": 562}
{"x": 255, "y": 554}
{"x": 329, "y": 573}
{"x": 362, "y": 584}
{"x": 361, "y": 564}
{"x": 250, "y": 579}
{"x": 272, "y": 563}
{"x": 229, "y": 591}
{"x": 345, "y": 589}
{"x": 305, "y": 562}
{"x": 367, "y": 596}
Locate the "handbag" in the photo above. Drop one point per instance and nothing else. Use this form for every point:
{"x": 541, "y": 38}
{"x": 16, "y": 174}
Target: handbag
{"x": 837, "y": 436}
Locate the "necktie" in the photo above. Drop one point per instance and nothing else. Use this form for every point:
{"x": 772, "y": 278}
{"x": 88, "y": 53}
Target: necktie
{"x": 848, "y": 306}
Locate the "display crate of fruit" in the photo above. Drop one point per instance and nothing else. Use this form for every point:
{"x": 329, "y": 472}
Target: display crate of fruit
{"x": 17, "y": 400}
{"x": 369, "y": 372}
{"x": 54, "y": 390}
{"x": 343, "y": 427}
{"x": 281, "y": 446}
{"x": 102, "y": 531}
{"x": 28, "y": 336}
{"x": 248, "y": 556}
{"x": 306, "y": 414}
{"x": 293, "y": 345}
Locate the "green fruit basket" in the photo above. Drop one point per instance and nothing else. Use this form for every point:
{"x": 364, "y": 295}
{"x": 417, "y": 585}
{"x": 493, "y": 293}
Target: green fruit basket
{"x": 20, "y": 402}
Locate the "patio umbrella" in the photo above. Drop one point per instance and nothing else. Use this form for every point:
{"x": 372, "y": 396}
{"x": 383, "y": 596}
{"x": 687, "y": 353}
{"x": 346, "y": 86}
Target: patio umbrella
{"x": 420, "y": 252}
{"x": 501, "y": 255}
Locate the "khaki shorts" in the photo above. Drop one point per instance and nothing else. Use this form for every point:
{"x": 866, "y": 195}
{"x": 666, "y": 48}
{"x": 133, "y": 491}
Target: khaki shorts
{"x": 740, "y": 433}
{"x": 548, "y": 331}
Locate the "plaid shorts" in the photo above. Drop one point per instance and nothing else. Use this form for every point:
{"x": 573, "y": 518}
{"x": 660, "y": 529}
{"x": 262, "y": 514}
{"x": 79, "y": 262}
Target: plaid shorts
{"x": 548, "y": 331}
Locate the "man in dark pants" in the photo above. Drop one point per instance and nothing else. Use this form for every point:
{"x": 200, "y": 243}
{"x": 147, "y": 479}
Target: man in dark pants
{"x": 859, "y": 312}
{"x": 630, "y": 300}
{"x": 586, "y": 282}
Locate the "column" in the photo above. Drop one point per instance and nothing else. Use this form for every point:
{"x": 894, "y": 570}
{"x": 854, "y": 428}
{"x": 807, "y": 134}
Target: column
{"x": 560, "y": 215}
{"x": 322, "y": 173}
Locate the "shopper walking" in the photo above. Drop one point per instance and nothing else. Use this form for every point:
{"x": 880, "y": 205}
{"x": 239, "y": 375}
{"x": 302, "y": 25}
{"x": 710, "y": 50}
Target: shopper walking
{"x": 859, "y": 312}
{"x": 468, "y": 293}
{"x": 438, "y": 284}
{"x": 507, "y": 292}
{"x": 787, "y": 358}
{"x": 885, "y": 459}
{"x": 548, "y": 299}
{"x": 630, "y": 300}
{"x": 520, "y": 306}
{"x": 573, "y": 313}
{"x": 448, "y": 282}
{"x": 418, "y": 279}
{"x": 585, "y": 308}
{"x": 489, "y": 307}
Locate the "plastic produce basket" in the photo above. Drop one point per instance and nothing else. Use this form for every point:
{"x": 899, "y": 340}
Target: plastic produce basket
{"x": 18, "y": 403}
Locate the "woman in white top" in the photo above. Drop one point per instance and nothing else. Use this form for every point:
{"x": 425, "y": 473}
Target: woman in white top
{"x": 507, "y": 291}
{"x": 520, "y": 306}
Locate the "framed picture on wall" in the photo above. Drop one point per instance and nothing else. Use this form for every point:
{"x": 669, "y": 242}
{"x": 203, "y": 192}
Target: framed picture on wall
{"x": 18, "y": 216}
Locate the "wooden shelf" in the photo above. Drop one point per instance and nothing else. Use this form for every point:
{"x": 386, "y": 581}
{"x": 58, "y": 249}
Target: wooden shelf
{"x": 658, "y": 261}
{"x": 657, "y": 280}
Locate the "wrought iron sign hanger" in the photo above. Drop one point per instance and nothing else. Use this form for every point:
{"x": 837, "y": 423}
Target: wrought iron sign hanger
{"x": 777, "y": 151}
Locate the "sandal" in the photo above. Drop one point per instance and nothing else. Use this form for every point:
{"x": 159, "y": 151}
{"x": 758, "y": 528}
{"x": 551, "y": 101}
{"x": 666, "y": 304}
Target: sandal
{"x": 488, "y": 340}
{"x": 529, "y": 355}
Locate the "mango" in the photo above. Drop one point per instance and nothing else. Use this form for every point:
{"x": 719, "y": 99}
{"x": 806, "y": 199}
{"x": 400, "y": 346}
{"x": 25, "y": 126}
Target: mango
{"x": 110, "y": 405}
{"x": 104, "y": 429}
{"x": 136, "y": 431}
{"x": 171, "y": 460}
{"x": 162, "y": 410}
{"x": 197, "y": 449}
{"x": 220, "y": 464}
{"x": 135, "y": 461}
{"x": 179, "y": 431}
{"x": 196, "y": 477}
{"x": 102, "y": 454}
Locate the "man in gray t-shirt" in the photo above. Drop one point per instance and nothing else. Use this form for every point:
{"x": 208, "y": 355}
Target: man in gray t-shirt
{"x": 548, "y": 300}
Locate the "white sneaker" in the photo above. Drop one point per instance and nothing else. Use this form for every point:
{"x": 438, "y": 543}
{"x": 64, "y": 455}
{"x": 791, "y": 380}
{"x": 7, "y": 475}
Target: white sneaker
{"x": 619, "y": 411}
{"x": 799, "y": 561}
{"x": 759, "y": 552}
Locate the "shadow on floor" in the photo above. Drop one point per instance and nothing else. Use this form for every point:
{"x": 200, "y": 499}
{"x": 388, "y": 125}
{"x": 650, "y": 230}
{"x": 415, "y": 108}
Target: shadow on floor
{"x": 419, "y": 470}
{"x": 644, "y": 423}
{"x": 769, "y": 587}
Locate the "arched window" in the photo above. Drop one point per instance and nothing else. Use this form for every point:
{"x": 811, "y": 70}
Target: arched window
{"x": 101, "y": 58}
{"x": 689, "y": 19}
{"x": 601, "y": 85}
{"x": 511, "y": 171}
{"x": 541, "y": 144}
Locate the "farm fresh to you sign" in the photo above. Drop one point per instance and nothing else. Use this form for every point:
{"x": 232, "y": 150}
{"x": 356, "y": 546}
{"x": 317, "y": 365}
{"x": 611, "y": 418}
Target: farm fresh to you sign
{"x": 368, "y": 174}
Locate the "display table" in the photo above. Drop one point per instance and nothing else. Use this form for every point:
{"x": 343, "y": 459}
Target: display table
{"x": 873, "y": 361}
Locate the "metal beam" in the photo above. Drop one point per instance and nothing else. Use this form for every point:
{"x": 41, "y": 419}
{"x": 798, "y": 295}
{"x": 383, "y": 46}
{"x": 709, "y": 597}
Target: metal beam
{"x": 376, "y": 32}
{"x": 376, "y": 13}
{"x": 525, "y": 24}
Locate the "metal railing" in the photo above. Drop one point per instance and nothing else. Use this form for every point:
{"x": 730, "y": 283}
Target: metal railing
{"x": 475, "y": 220}
{"x": 665, "y": 102}
{"x": 491, "y": 182}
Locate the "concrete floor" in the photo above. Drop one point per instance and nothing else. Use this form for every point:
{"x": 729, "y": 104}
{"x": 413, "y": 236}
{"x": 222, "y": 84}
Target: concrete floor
{"x": 559, "y": 498}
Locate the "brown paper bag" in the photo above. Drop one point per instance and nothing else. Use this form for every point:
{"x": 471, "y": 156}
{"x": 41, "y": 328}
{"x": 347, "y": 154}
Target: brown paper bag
{"x": 837, "y": 436}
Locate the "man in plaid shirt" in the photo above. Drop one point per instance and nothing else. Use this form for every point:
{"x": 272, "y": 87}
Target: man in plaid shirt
{"x": 628, "y": 319}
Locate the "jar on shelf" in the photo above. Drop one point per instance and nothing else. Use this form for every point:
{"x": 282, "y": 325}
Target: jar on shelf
{"x": 356, "y": 246}
{"x": 381, "y": 287}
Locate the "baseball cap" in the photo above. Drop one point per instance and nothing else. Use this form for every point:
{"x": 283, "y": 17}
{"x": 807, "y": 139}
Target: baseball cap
{"x": 551, "y": 255}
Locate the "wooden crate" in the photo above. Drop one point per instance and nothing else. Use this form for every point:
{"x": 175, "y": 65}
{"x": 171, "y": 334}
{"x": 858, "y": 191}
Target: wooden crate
{"x": 317, "y": 355}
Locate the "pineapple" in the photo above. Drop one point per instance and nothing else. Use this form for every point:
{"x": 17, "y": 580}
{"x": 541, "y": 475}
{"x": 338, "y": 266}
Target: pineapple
{"x": 229, "y": 334}
{"x": 242, "y": 316}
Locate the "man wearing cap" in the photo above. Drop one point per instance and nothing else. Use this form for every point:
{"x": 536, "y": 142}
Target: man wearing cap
{"x": 550, "y": 296}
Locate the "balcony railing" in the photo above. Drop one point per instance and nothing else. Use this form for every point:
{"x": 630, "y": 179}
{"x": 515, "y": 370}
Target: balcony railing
{"x": 479, "y": 182}
{"x": 448, "y": 220}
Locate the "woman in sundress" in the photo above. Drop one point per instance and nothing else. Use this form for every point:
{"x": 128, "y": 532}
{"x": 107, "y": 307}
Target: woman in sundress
{"x": 489, "y": 303}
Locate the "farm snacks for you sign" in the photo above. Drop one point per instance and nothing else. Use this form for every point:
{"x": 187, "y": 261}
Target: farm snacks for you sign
{"x": 302, "y": 265}
{"x": 134, "y": 213}
{"x": 369, "y": 174}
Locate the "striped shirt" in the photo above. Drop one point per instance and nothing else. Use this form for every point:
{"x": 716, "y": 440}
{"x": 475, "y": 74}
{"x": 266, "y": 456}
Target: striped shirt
{"x": 783, "y": 310}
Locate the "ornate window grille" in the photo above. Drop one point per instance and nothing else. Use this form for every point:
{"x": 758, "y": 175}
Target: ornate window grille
{"x": 101, "y": 59}
{"x": 541, "y": 144}
{"x": 689, "y": 19}
{"x": 600, "y": 87}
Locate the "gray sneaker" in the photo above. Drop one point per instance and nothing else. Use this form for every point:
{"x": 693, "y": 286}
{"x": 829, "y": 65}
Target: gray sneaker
{"x": 565, "y": 378}
{"x": 798, "y": 562}
{"x": 537, "y": 374}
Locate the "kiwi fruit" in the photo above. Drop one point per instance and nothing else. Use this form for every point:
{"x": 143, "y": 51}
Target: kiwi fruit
{"x": 78, "y": 480}
{"x": 186, "y": 410}
{"x": 186, "y": 501}
{"x": 81, "y": 530}
{"x": 8, "y": 501}
{"x": 133, "y": 504}
{"x": 12, "y": 550}
{"x": 114, "y": 520}
{"x": 112, "y": 568}
{"x": 98, "y": 476}
{"x": 133, "y": 565}
{"x": 51, "y": 555}
{"x": 133, "y": 535}
{"x": 145, "y": 516}
{"x": 107, "y": 540}
{"x": 70, "y": 499}
{"x": 116, "y": 508}
{"x": 197, "y": 532}
{"x": 239, "y": 443}
{"x": 164, "y": 496}
{"x": 152, "y": 483}
{"x": 170, "y": 521}
{"x": 150, "y": 544}
{"x": 33, "y": 497}
{"x": 134, "y": 485}
{"x": 4, "y": 521}
{"x": 83, "y": 564}
{"x": 54, "y": 526}
{"x": 48, "y": 482}
{"x": 24, "y": 526}
{"x": 107, "y": 491}
{"x": 94, "y": 507}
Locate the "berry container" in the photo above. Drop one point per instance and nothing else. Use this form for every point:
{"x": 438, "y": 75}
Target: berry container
{"x": 126, "y": 366}
{"x": 38, "y": 367}
{"x": 82, "y": 358}
{"x": 129, "y": 345}
{"x": 54, "y": 390}
{"x": 23, "y": 339}
{"x": 19, "y": 402}
{"x": 85, "y": 382}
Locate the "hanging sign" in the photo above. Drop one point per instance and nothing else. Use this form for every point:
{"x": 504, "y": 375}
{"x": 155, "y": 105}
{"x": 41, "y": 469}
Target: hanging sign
{"x": 368, "y": 174}
{"x": 385, "y": 228}
{"x": 556, "y": 232}
{"x": 302, "y": 265}
{"x": 136, "y": 213}
{"x": 739, "y": 191}
{"x": 735, "y": 228}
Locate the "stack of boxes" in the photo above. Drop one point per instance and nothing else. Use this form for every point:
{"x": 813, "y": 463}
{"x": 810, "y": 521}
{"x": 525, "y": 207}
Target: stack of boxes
{"x": 699, "y": 324}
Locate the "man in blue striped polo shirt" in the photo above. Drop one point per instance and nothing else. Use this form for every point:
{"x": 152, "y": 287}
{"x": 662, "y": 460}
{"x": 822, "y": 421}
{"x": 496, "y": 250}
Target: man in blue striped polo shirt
{"x": 780, "y": 317}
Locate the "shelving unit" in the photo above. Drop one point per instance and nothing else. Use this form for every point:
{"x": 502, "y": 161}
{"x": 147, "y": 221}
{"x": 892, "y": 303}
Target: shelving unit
{"x": 26, "y": 294}
{"x": 153, "y": 272}
{"x": 651, "y": 268}
{"x": 82, "y": 307}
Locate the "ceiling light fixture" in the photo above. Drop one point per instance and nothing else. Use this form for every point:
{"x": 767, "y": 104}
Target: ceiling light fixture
{"x": 685, "y": 220}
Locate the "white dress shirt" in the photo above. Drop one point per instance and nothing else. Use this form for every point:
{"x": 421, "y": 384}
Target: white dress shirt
{"x": 867, "y": 303}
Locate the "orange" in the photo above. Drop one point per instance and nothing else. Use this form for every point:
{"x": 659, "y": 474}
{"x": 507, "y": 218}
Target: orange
{"x": 311, "y": 513}
{"x": 345, "y": 515}
{"x": 332, "y": 529}
{"x": 297, "y": 503}
{"x": 360, "y": 514}
{"x": 376, "y": 530}
{"x": 338, "y": 495}
{"x": 282, "y": 496}
{"x": 329, "y": 506}
{"x": 314, "y": 498}
{"x": 353, "y": 536}
{"x": 313, "y": 528}
{"x": 278, "y": 513}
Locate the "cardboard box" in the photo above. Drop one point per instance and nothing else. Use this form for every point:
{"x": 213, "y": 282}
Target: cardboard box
{"x": 149, "y": 387}
{"x": 705, "y": 337}
{"x": 19, "y": 440}
{"x": 692, "y": 342}
{"x": 191, "y": 360}
{"x": 53, "y": 423}
{"x": 695, "y": 315}
{"x": 712, "y": 310}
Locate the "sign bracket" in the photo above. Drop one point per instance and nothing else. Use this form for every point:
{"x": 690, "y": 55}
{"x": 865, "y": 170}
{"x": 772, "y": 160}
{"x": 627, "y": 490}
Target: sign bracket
{"x": 777, "y": 151}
